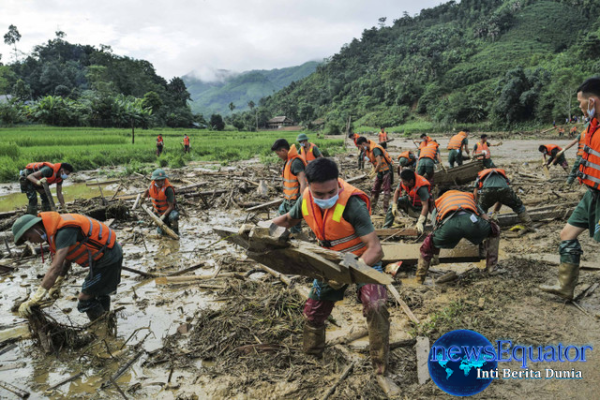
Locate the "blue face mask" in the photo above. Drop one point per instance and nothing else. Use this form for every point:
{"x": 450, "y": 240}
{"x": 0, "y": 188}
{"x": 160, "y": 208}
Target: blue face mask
{"x": 63, "y": 176}
{"x": 325, "y": 204}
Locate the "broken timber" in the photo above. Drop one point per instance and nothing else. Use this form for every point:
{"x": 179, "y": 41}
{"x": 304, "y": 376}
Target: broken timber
{"x": 160, "y": 223}
{"x": 466, "y": 173}
{"x": 537, "y": 214}
{"x": 269, "y": 244}
{"x": 422, "y": 350}
{"x": 49, "y": 195}
{"x": 409, "y": 253}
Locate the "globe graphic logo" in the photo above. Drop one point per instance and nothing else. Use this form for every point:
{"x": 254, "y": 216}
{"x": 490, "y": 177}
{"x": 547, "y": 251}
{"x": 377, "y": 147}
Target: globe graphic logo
{"x": 459, "y": 378}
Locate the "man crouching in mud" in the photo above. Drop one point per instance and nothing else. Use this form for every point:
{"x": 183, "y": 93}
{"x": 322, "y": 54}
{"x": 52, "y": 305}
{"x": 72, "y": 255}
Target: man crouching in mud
{"x": 338, "y": 214}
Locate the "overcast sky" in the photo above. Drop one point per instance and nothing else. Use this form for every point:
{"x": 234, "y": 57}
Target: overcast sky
{"x": 178, "y": 36}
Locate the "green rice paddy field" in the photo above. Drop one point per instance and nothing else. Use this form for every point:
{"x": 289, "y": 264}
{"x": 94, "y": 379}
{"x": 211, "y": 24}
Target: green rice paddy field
{"x": 92, "y": 148}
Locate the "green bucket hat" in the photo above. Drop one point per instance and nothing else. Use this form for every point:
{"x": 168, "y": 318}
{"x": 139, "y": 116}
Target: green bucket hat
{"x": 159, "y": 174}
{"x": 22, "y": 225}
{"x": 302, "y": 137}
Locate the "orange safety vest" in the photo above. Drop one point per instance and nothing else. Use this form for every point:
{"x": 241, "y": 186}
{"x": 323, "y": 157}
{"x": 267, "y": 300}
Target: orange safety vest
{"x": 581, "y": 143}
{"x": 159, "y": 141}
{"x": 480, "y": 148}
{"x": 386, "y": 157}
{"x": 454, "y": 200}
{"x": 97, "y": 236}
{"x": 55, "y": 178}
{"x": 291, "y": 186}
{"x": 355, "y": 138}
{"x": 429, "y": 151}
{"x": 456, "y": 141}
{"x": 412, "y": 193}
{"x": 308, "y": 155}
{"x": 589, "y": 168}
{"x": 409, "y": 156}
{"x": 329, "y": 226}
{"x": 383, "y": 137}
{"x": 186, "y": 141}
{"x": 550, "y": 147}
{"x": 486, "y": 173}
{"x": 424, "y": 142}
{"x": 159, "y": 196}
{"x": 574, "y": 129}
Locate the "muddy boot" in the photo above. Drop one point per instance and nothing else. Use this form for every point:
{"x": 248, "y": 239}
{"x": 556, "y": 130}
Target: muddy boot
{"x": 378, "y": 322}
{"x": 386, "y": 201}
{"x": 568, "y": 274}
{"x": 435, "y": 260}
{"x": 422, "y": 269}
{"x": 33, "y": 210}
{"x": 374, "y": 200}
{"x": 46, "y": 207}
{"x": 175, "y": 226}
{"x": 491, "y": 253}
{"x": 313, "y": 340}
{"x": 526, "y": 221}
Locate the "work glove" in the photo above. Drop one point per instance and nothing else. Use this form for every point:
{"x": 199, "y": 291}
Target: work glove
{"x": 421, "y": 224}
{"x": 372, "y": 174}
{"x": 43, "y": 180}
{"x": 36, "y": 299}
{"x": 443, "y": 167}
{"x": 494, "y": 216}
{"x": 335, "y": 285}
{"x": 163, "y": 217}
{"x": 560, "y": 153}
{"x": 54, "y": 291}
{"x": 395, "y": 209}
{"x": 484, "y": 152}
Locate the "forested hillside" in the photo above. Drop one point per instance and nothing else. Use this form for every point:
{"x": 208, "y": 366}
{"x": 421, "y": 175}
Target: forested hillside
{"x": 240, "y": 89}
{"x": 506, "y": 63}
{"x": 66, "y": 84}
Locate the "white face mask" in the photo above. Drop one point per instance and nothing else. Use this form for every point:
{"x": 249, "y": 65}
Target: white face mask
{"x": 43, "y": 235}
{"x": 591, "y": 112}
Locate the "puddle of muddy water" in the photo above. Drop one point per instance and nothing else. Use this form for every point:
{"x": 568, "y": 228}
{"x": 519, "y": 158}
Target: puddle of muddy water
{"x": 15, "y": 199}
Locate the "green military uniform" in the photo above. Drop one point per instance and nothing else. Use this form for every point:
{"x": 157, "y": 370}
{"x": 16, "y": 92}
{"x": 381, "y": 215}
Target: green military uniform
{"x": 426, "y": 167}
{"x": 463, "y": 224}
{"x": 496, "y": 189}
{"x": 487, "y": 162}
{"x": 408, "y": 162}
{"x": 287, "y": 205}
{"x": 455, "y": 155}
{"x": 405, "y": 203}
{"x": 357, "y": 215}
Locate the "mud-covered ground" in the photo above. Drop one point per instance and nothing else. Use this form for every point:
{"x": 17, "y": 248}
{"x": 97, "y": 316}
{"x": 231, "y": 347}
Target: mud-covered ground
{"x": 239, "y": 334}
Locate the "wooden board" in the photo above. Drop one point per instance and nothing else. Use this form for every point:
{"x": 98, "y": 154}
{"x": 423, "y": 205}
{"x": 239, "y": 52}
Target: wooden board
{"x": 537, "y": 214}
{"x": 409, "y": 253}
{"x": 464, "y": 174}
{"x": 422, "y": 349}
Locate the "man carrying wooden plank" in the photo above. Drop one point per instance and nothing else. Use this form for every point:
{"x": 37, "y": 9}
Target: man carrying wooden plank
{"x": 162, "y": 194}
{"x": 417, "y": 199}
{"x": 308, "y": 151}
{"x": 481, "y": 151}
{"x": 79, "y": 239}
{"x": 338, "y": 214}
{"x": 35, "y": 175}
{"x": 456, "y": 145}
{"x": 382, "y": 172}
{"x": 587, "y": 214}
{"x": 555, "y": 156}
{"x": 457, "y": 217}
{"x": 492, "y": 187}
{"x": 294, "y": 177}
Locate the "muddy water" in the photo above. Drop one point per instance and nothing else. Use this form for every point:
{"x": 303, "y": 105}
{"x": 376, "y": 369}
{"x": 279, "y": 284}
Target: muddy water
{"x": 12, "y": 197}
{"x": 149, "y": 308}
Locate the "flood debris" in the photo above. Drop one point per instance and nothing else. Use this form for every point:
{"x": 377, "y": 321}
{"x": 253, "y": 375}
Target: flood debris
{"x": 53, "y": 336}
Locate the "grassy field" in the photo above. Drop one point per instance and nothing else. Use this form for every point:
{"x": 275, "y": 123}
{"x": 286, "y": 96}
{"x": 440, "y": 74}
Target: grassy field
{"x": 92, "y": 148}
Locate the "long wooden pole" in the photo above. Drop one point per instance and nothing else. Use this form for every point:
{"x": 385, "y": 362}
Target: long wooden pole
{"x": 49, "y": 195}
{"x": 160, "y": 223}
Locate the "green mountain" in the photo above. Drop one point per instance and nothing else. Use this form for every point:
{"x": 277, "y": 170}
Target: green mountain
{"x": 214, "y": 97}
{"x": 503, "y": 63}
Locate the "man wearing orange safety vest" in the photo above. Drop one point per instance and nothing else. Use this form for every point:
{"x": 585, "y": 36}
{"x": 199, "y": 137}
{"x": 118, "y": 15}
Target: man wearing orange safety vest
{"x": 415, "y": 202}
{"x": 573, "y": 132}
{"x": 429, "y": 153}
{"x": 383, "y": 138}
{"x": 338, "y": 214}
{"x": 186, "y": 143}
{"x": 308, "y": 151}
{"x": 456, "y": 145}
{"x": 457, "y": 216}
{"x": 79, "y": 239}
{"x": 555, "y": 156}
{"x": 383, "y": 172}
{"x": 160, "y": 144}
{"x": 580, "y": 141}
{"x": 35, "y": 174}
{"x": 492, "y": 188}
{"x": 587, "y": 213}
{"x": 294, "y": 178}
{"x": 481, "y": 151}
{"x": 407, "y": 159}
{"x": 162, "y": 194}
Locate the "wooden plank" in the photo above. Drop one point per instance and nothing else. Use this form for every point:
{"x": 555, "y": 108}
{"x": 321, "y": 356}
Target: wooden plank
{"x": 7, "y": 214}
{"x": 409, "y": 253}
{"x": 271, "y": 203}
{"x": 111, "y": 181}
{"x": 554, "y": 259}
{"x": 137, "y": 202}
{"x": 422, "y": 349}
{"x": 404, "y": 232}
{"x": 553, "y": 212}
{"x": 49, "y": 195}
{"x": 466, "y": 173}
{"x": 403, "y": 305}
{"x": 160, "y": 223}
